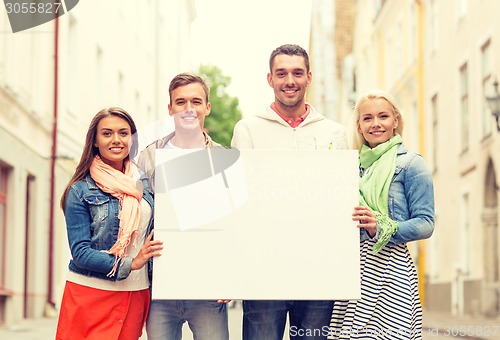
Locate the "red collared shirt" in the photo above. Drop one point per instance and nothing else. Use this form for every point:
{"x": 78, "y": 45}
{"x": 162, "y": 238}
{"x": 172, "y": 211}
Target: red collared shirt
{"x": 293, "y": 122}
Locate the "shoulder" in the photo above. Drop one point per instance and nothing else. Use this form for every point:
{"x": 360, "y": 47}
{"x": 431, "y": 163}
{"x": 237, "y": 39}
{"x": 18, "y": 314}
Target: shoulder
{"x": 265, "y": 116}
{"x": 147, "y": 189}
{"x": 408, "y": 159}
{"x": 211, "y": 143}
{"x": 332, "y": 125}
{"x": 160, "y": 143}
{"x": 405, "y": 155}
{"x": 143, "y": 177}
{"x": 82, "y": 188}
{"x": 147, "y": 156}
{"x": 251, "y": 120}
{"x": 319, "y": 119}
{"x": 84, "y": 184}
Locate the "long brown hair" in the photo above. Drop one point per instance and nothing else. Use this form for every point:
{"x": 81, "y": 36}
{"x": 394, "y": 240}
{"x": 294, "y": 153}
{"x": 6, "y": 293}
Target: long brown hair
{"x": 90, "y": 150}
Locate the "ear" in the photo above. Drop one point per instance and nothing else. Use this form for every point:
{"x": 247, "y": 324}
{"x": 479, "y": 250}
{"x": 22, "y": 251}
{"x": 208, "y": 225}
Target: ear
{"x": 209, "y": 107}
{"x": 358, "y": 125}
{"x": 309, "y": 78}
{"x": 396, "y": 123}
{"x": 270, "y": 79}
{"x": 170, "y": 110}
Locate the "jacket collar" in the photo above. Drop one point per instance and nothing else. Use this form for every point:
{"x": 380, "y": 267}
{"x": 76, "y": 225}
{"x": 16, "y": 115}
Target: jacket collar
{"x": 91, "y": 183}
{"x": 269, "y": 114}
{"x": 160, "y": 143}
{"x": 93, "y": 186}
{"x": 402, "y": 149}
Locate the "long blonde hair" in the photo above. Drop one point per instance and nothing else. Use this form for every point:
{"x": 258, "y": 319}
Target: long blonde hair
{"x": 358, "y": 139}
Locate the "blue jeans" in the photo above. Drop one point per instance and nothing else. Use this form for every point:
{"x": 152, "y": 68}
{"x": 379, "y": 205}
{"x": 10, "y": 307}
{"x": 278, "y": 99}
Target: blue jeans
{"x": 207, "y": 319}
{"x": 265, "y": 320}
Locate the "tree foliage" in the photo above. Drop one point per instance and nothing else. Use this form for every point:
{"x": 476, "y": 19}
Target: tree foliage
{"x": 225, "y": 111}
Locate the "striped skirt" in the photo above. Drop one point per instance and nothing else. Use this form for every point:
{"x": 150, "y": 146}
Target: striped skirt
{"x": 389, "y": 307}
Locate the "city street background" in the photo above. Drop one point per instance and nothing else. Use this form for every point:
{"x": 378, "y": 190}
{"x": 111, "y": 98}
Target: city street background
{"x": 436, "y": 327}
{"x": 440, "y": 59}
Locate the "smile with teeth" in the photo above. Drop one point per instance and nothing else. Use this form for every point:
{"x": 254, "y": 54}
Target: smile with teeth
{"x": 189, "y": 118}
{"x": 116, "y": 149}
{"x": 377, "y": 133}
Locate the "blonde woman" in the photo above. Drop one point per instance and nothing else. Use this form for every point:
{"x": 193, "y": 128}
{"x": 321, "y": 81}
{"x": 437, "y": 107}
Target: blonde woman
{"x": 397, "y": 206}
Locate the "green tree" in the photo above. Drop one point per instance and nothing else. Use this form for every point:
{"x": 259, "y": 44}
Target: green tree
{"x": 225, "y": 111}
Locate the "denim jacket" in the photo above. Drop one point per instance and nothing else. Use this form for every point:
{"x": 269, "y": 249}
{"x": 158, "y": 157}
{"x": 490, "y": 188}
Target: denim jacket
{"x": 411, "y": 199}
{"x": 92, "y": 224}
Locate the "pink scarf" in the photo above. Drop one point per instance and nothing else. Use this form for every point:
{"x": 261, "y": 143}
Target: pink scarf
{"x": 122, "y": 186}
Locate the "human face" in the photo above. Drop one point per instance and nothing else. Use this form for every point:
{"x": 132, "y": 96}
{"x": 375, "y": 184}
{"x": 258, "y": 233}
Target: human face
{"x": 377, "y": 121}
{"x": 189, "y": 107}
{"x": 113, "y": 140}
{"x": 289, "y": 79}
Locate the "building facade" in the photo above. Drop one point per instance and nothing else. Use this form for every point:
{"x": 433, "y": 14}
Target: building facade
{"x": 322, "y": 92}
{"x": 330, "y": 54}
{"x": 461, "y": 55}
{"x": 99, "y": 54}
{"x": 439, "y": 58}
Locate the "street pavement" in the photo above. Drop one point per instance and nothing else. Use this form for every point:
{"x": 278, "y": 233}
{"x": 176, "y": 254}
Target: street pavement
{"x": 45, "y": 328}
{"x": 446, "y": 326}
{"x": 437, "y": 326}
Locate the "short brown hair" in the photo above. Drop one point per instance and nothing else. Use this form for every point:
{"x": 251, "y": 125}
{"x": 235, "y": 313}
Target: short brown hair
{"x": 289, "y": 49}
{"x": 187, "y": 78}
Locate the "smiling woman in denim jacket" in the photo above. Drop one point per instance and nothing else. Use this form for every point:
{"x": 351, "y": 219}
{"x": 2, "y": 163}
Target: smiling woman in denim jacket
{"x": 396, "y": 207}
{"x": 108, "y": 208}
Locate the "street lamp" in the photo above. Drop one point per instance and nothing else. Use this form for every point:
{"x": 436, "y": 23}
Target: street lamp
{"x": 494, "y": 104}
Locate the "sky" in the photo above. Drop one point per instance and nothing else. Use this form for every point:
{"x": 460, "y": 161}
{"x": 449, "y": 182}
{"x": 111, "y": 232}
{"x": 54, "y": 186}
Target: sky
{"x": 239, "y": 35}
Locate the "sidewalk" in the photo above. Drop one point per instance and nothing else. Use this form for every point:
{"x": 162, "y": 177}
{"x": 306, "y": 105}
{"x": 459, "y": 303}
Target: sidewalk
{"x": 30, "y": 329}
{"x": 436, "y": 326}
{"x": 464, "y": 327}
{"x": 45, "y": 328}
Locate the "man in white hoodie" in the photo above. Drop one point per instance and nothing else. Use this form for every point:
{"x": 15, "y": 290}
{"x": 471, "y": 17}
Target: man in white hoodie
{"x": 288, "y": 123}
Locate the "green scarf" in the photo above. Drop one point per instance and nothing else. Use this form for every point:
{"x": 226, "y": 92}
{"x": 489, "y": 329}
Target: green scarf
{"x": 379, "y": 165}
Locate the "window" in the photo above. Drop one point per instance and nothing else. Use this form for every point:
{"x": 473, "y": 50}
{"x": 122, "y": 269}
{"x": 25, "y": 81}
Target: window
{"x": 398, "y": 62}
{"x": 464, "y": 108}
{"x": 4, "y": 172}
{"x": 99, "y": 80}
{"x": 138, "y": 108}
{"x": 435, "y": 132}
{"x": 3, "y": 47}
{"x": 121, "y": 88}
{"x": 465, "y": 235}
{"x": 434, "y": 26}
{"x": 486, "y": 86}
{"x": 30, "y": 251}
{"x": 72, "y": 65}
{"x": 462, "y": 8}
{"x": 415, "y": 123}
{"x": 413, "y": 32}
{"x": 18, "y": 70}
{"x": 389, "y": 60}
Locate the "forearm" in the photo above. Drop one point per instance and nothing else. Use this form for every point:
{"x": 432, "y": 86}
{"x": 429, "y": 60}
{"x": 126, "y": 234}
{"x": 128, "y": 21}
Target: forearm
{"x": 413, "y": 230}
